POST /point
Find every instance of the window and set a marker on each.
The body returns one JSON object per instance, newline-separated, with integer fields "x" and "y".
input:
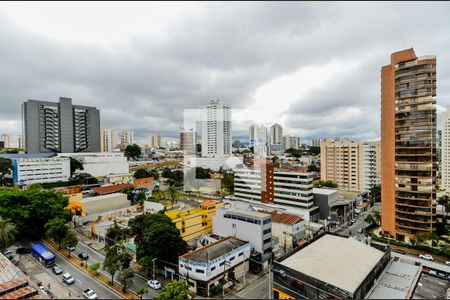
{"x": 267, "y": 241}
{"x": 213, "y": 268}
{"x": 266, "y": 231}
{"x": 232, "y": 258}
{"x": 199, "y": 271}
{"x": 221, "y": 264}
{"x": 267, "y": 221}
{"x": 240, "y": 254}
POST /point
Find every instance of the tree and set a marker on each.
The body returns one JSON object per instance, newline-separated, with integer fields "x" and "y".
{"x": 147, "y": 263}
{"x": 141, "y": 291}
{"x": 157, "y": 195}
{"x": 375, "y": 193}
{"x": 327, "y": 183}
{"x": 312, "y": 168}
{"x": 75, "y": 164}
{"x": 151, "y": 231}
{"x": 167, "y": 173}
{"x": 377, "y": 217}
{"x": 70, "y": 240}
{"x": 5, "y": 168}
{"x": 154, "y": 174}
{"x": 444, "y": 200}
{"x": 313, "y": 150}
{"x": 177, "y": 289}
{"x": 7, "y": 234}
{"x": 57, "y": 229}
{"x": 133, "y": 152}
{"x": 124, "y": 277}
{"x": 228, "y": 182}
{"x": 294, "y": 152}
{"x": 141, "y": 173}
{"x": 94, "y": 268}
{"x": 172, "y": 194}
{"x": 111, "y": 263}
{"x": 178, "y": 176}
{"x": 141, "y": 197}
{"x": 114, "y": 234}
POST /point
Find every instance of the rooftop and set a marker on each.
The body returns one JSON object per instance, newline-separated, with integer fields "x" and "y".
{"x": 323, "y": 191}
{"x": 246, "y": 213}
{"x": 215, "y": 250}
{"x": 103, "y": 190}
{"x": 99, "y": 198}
{"x": 342, "y": 262}
{"x": 397, "y": 282}
{"x": 283, "y": 218}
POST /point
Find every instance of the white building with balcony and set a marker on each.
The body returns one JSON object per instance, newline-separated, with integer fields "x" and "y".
{"x": 31, "y": 170}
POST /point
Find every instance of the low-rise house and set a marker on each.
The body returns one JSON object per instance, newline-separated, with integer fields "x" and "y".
{"x": 216, "y": 264}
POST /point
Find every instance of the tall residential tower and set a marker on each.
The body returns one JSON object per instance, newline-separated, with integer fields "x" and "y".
{"x": 408, "y": 145}
{"x": 216, "y": 130}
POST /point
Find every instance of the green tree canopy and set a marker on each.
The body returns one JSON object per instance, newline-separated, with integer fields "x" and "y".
{"x": 5, "y": 169}
{"x": 75, "y": 164}
{"x": 124, "y": 277}
{"x": 133, "y": 152}
{"x": 31, "y": 209}
{"x": 312, "y": 168}
{"x": 326, "y": 183}
{"x": 70, "y": 239}
{"x": 114, "y": 234}
{"x": 7, "y": 234}
{"x": 177, "y": 289}
{"x": 294, "y": 152}
{"x": 375, "y": 193}
{"x": 167, "y": 173}
{"x": 141, "y": 173}
{"x": 227, "y": 182}
{"x": 151, "y": 231}
{"x": 313, "y": 150}
{"x": 57, "y": 229}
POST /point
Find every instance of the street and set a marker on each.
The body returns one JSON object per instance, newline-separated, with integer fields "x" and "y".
{"x": 94, "y": 257}
{"x": 259, "y": 289}
{"x": 60, "y": 289}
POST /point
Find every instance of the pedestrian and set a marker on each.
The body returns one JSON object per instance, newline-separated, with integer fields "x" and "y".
{"x": 69, "y": 294}
{"x": 48, "y": 285}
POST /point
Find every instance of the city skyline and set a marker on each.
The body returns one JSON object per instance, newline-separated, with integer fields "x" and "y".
{"x": 310, "y": 89}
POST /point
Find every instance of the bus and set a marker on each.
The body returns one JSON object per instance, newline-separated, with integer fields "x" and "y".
{"x": 44, "y": 256}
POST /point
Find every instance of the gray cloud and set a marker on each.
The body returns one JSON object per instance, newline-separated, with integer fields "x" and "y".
{"x": 228, "y": 51}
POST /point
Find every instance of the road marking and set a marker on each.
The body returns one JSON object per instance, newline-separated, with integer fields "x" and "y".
{"x": 78, "y": 280}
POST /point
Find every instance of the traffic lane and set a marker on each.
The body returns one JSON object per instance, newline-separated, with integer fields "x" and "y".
{"x": 83, "y": 280}
{"x": 258, "y": 289}
{"x": 94, "y": 256}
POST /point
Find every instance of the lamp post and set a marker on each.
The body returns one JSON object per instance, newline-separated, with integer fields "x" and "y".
{"x": 153, "y": 260}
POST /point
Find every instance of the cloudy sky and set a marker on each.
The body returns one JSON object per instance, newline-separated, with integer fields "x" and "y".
{"x": 315, "y": 67}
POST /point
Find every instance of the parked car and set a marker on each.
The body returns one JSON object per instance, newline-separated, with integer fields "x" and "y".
{"x": 399, "y": 251}
{"x": 432, "y": 272}
{"x": 360, "y": 230}
{"x": 67, "y": 278}
{"x": 349, "y": 223}
{"x": 426, "y": 256}
{"x": 70, "y": 248}
{"x": 441, "y": 274}
{"x": 89, "y": 294}
{"x": 83, "y": 256}
{"x": 447, "y": 263}
{"x": 154, "y": 284}
{"x": 57, "y": 270}
{"x": 23, "y": 250}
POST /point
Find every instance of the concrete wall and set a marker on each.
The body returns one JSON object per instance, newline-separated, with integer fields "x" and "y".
{"x": 104, "y": 203}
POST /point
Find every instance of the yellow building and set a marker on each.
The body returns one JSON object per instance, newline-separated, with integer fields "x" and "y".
{"x": 195, "y": 222}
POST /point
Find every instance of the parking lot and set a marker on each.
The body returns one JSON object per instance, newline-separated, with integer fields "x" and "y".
{"x": 431, "y": 287}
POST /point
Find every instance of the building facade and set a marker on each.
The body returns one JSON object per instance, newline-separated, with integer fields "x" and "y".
{"x": 445, "y": 150}
{"x": 6, "y": 139}
{"x": 276, "y": 134}
{"x": 60, "y": 127}
{"x": 246, "y": 225}
{"x": 316, "y": 142}
{"x": 156, "y": 141}
{"x": 101, "y": 163}
{"x": 408, "y": 144}
{"x": 351, "y": 164}
{"x": 188, "y": 142}
{"x": 258, "y": 139}
{"x": 111, "y": 137}
{"x": 215, "y": 264}
{"x": 28, "y": 171}
{"x": 216, "y": 130}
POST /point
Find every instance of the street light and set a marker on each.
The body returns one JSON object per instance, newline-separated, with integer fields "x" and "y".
{"x": 153, "y": 260}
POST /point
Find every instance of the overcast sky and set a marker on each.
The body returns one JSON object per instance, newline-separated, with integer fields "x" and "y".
{"x": 314, "y": 66}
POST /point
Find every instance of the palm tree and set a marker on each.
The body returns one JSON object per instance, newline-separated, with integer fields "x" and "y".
{"x": 7, "y": 234}
{"x": 172, "y": 194}
{"x": 444, "y": 200}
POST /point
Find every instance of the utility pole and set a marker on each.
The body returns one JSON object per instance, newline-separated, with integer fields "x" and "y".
{"x": 153, "y": 260}
{"x": 270, "y": 284}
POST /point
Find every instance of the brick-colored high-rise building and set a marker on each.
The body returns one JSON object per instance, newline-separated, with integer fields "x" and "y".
{"x": 408, "y": 145}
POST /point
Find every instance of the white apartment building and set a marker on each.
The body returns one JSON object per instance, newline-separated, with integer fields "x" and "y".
{"x": 276, "y": 134}
{"x": 6, "y": 139}
{"x": 351, "y": 164}
{"x": 291, "y": 142}
{"x": 216, "y": 130}
{"x": 206, "y": 266}
{"x": 246, "y": 225}
{"x": 445, "y": 150}
{"x": 289, "y": 188}
{"x": 28, "y": 171}
{"x": 111, "y": 137}
{"x": 100, "y": 163}
{"x": 258, "y": 139}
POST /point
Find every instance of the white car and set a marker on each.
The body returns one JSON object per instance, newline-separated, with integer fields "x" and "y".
{"x": 447, "y": 263}
{"x": 89, "y": 294}
{"x": 154, "y": 284}
{"x": 426, "y": 256}
{"x": 67, "y": 278}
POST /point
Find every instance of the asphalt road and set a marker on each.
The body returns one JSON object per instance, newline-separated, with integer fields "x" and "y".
{"x": 259, "y": 289}
{"x": 82, "y": 280}
{"x": 94, "y": 257}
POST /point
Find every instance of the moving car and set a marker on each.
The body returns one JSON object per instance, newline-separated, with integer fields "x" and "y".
{"x": 426, "y": 256}
{"x": 89, "y": 294}
{"x": 70, "y": 248}
{"x": 23, "y": 250}
{"x": 67, "y": 278}
{"x": 83, "y": 256}
{"x": 399, "y": 251}
{"x": 154, "y": 284}
{"x": 57, "y": 270}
